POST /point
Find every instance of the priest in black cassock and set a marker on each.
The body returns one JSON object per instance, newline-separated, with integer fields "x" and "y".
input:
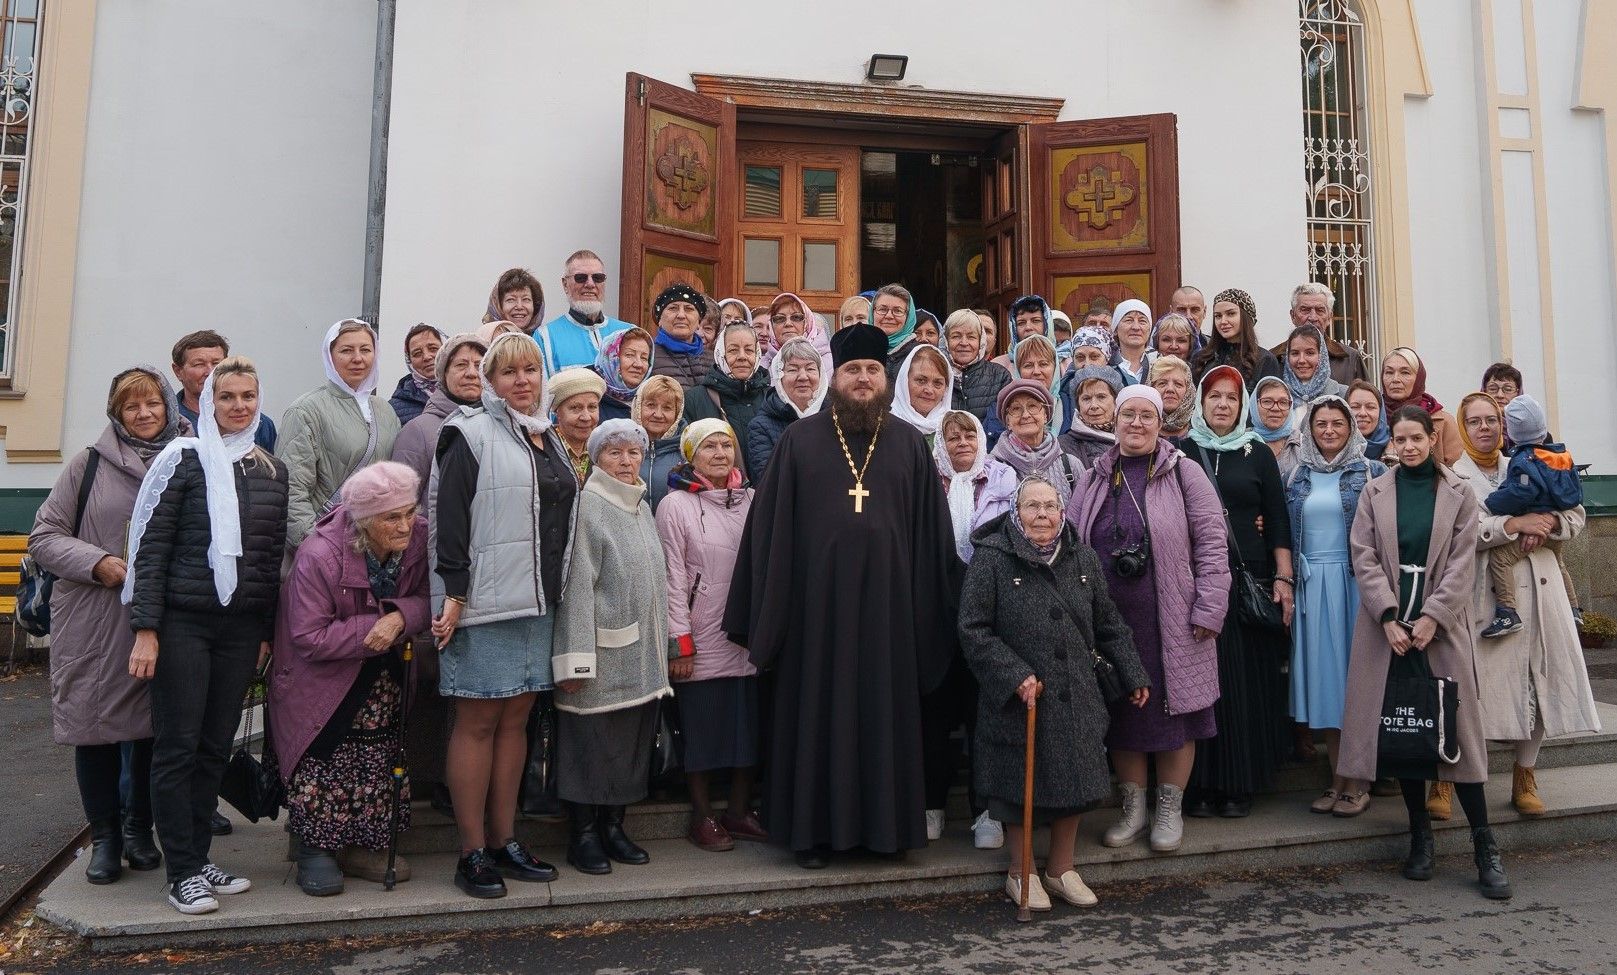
{"x": 846, "y": 588}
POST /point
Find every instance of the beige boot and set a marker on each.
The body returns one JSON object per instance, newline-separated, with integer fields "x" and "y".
{"x": 1524, "y": 792}
{"x": 356, "y": 861}
{"x": 1440, "y": 801}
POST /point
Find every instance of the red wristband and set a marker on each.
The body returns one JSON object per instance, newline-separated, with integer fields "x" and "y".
{"x": 687, "y": 646}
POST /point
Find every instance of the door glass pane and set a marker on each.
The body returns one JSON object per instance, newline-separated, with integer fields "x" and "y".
{"x": 762, "y": 192}
{"x": 760, "y": 263}
{"x": 820, "y": 193}
{"x": 819, "y": 266}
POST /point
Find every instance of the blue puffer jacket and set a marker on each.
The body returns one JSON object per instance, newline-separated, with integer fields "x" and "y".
{"x": 664, "y": 457}
{"x": 1354, "y": 477}
{"x": 1539, "y": 479}
{"x": 763, "y": 433}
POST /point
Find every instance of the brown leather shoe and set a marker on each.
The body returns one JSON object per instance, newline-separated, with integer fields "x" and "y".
{"x": 744, "y": 827}
{"x": 707, "y": 834}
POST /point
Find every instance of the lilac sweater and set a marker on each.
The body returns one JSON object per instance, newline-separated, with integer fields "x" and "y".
{"x": 1190, "y": 557}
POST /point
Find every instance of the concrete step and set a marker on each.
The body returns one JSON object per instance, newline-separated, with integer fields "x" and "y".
{"x": 684, "y": 881}
{"x": 668, "y": 818}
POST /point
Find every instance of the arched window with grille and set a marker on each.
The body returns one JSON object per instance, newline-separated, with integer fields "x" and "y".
{"x": 19, "y": 50}
{"x": 1336, "y": 166}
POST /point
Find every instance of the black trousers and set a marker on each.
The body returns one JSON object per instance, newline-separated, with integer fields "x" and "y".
{"x": 204, "y": 664}
{"x": 942, "y": 711}
{"x": 99, "y": 770}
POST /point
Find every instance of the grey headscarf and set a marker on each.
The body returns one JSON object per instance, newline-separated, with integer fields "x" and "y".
{"x": 175, "y": 426}
{"x": 1308, "y": 454}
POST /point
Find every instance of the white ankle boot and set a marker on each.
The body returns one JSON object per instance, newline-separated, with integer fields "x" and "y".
{"x": 1168, "y": 826}
{"x": 1133, "y": 822}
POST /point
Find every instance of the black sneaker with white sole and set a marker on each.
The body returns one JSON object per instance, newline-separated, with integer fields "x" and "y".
{"x": 223, "y": 883}
{"x": 193, "y": 895}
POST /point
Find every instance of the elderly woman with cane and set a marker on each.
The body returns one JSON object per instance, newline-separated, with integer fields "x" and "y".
{"x": 1035, "y": 614}
{"x": 358, "y": 589}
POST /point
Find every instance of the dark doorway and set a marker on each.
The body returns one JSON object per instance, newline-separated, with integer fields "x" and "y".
{"x": 921, "y": 225}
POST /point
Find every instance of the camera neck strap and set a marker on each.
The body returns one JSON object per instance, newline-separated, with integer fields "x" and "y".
{"x": 1120, "y": 483}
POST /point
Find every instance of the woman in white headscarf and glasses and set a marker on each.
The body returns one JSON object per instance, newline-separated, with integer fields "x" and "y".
{"x": 330, "y": 432}
{"x": 205, "y": 544}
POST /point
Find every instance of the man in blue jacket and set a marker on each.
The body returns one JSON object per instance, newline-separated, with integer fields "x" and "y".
{"x": 575, "y": 337}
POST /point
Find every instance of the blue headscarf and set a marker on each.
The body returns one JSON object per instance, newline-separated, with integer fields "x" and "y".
{"x": 1240, "y": 435}
{"x": 1267, "y": 434}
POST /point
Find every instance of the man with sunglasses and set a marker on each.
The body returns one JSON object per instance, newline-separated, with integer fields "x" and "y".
{"x": 575, "y": 337}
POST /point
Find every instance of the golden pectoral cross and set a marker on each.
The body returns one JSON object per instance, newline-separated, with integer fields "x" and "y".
{"x": 859, "y": 494}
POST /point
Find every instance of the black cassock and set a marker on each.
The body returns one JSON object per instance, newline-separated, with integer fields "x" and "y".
{"x": 854, "y": 614}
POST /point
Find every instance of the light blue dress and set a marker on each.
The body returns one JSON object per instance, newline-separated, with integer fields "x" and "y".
{"x": 1327, "y": 604}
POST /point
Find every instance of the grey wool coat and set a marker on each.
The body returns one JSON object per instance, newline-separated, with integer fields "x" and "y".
{"x": 94, "y": 701}
{"x": 612, "y": 621}
{"x": 1013, "y": 625}
{"x": 1451, "y": 572}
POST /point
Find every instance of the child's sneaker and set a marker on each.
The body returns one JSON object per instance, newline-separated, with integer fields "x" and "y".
{"x": 1505, "y": 621}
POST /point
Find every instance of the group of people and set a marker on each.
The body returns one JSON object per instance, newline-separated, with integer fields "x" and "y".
{"x": 835, "y": 544}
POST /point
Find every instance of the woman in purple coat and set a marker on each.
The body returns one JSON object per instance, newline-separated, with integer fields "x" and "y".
{"x": 1159, "y": 530}
{"x": 358, "y": 587}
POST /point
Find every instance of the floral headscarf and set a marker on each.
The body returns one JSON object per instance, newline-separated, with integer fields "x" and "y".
{"x": 609, "y": 363}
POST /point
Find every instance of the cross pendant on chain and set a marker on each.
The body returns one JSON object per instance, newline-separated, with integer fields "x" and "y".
{"x": 859, "y": 494}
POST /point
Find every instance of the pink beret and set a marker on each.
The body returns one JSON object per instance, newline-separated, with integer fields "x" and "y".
{"x": 382, "y": 487}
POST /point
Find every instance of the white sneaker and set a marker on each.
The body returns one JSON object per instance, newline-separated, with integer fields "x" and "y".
{"x": 1134, "y": 820}
{"x": 987, "y": 833}
{"x": 192, "y": 896}
{"x": 934, "y": 824}
{"x": 1037, "y": 899}
{"x": 1071, "y": 888}
{"x": 1168, "y": 830}
{"x": 223, "y": 883}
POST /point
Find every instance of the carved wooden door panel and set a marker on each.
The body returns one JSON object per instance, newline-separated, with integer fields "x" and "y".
{"x": 678, "y": 209}
{"x": 1004, "y": 252}
{"x": 797, "y": 223}
{"x": 1105, "y": 210}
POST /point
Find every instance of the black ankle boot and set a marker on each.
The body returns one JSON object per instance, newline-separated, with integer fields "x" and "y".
{"x": 618, "y": 845}
{"x": 106, "y": 850}
{"x": 1418, "y": 865}
{"x": 584, "y": 850}
{"x": 1490, "y": 871}
{"x": 139, "y": 849}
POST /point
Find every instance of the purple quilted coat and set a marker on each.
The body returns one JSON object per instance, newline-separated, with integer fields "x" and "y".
{"x": 1190, "y": 558}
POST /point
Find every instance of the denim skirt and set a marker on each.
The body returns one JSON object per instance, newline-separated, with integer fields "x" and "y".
{"x": 496, "y": 660}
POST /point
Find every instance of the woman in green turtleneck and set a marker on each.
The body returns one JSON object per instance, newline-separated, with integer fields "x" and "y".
{"x": 1413, "y": 543}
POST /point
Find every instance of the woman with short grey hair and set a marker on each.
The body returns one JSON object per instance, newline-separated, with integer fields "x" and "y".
{"x": 611, "y": 657}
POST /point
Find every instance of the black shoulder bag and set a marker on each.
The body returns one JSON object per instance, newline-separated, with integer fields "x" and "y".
{"x": 1107, "y": 677}
{"x": 34, "y": 582}
{"x": 1254, "y": 605}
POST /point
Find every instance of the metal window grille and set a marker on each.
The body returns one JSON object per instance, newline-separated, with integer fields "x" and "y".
{"x": 1336, "y": 166}
{"x": 19, "y": 54}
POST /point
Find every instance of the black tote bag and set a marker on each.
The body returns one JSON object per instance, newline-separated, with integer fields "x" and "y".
{"x": 1419, "y": 720}
{"x": 252, "y": 786}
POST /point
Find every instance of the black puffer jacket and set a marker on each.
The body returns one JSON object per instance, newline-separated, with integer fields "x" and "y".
{"x": 171, "y": 568}
{"x": 738, "y": 402}
{"x": 763, "y": 433}
{"x": 977, "y": 386}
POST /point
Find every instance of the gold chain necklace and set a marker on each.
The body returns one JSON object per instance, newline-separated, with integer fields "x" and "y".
{"x": 857, "y": 492}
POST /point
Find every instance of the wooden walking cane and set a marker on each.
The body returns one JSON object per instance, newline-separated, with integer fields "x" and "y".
{"x": 406, "y": 689}
{"x": 1022, "y": 912}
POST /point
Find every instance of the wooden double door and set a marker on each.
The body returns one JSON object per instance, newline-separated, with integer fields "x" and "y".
{"x": 1071, "y": 210}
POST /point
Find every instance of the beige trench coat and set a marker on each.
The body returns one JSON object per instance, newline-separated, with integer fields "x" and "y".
{"x": 1451, "y": 571}
{"x": 1546, "y": 647}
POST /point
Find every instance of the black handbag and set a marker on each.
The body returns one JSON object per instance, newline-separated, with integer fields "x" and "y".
{"x": 34, "y": 582}
{"x": 537, "y": 794}
{"x": 1107, "y": 676}
{"x": 1419, "y": 720}
{"x": 1254, "y": 602}
{"x": 250, "y": 785}
{"x": 668, "y": 745}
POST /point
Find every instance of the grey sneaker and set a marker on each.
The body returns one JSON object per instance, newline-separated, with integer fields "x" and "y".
{"x": 1168, "y": 826}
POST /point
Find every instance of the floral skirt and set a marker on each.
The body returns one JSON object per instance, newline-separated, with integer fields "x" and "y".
{"x": 347, "y": 799}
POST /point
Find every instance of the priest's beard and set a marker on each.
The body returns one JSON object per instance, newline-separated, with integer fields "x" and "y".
{"x": 856, "y": 417}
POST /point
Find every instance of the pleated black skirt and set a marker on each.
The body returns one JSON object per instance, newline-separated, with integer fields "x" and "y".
{"x": 1251, "y": 713}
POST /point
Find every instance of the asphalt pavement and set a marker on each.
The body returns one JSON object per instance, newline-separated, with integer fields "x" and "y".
{"x": 1366, "y": 920}
{"x": 39, "y": 799}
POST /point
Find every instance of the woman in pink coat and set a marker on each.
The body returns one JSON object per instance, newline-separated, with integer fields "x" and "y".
{"x": 358, "y": 588}
{"x": 700, "y": 522}
{"x": 1155, "y": 521}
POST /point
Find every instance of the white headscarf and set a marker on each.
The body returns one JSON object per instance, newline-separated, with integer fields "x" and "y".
{"x": 218, "y": 455}
{"x": 962, "y": 489}
{"x": 901, "y": 408}
{"x": 777, "y": 368}
{"x": 362, "y": 395}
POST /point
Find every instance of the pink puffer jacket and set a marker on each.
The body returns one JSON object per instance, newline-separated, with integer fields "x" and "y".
{"x": 701, "y": 534}
{"x": 1191, "y": 561}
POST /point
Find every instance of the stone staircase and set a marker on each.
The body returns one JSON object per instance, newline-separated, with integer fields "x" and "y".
{"x": 1578, "y": 779}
